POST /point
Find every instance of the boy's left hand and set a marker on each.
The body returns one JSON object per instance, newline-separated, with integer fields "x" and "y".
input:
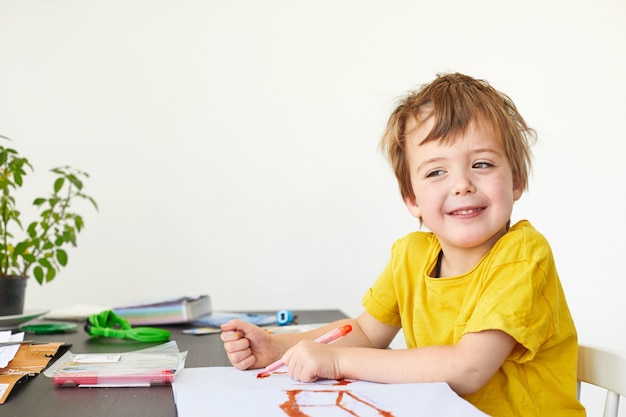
{"x": 309, "y": 361}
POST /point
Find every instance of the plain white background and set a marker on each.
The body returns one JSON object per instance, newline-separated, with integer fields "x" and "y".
{"x": 232, "y": 145}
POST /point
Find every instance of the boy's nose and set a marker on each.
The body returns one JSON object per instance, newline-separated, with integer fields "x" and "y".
{"x": 463, "y": 185}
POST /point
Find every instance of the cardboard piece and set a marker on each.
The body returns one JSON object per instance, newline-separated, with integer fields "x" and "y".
{"x": 29, "y": 360}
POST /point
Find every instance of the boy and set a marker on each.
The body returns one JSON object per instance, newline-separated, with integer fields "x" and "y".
{"x": 479, "y": 301}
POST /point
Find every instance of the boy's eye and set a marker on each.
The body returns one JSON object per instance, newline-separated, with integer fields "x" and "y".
{"x": 482, "y": 165}
{"x": 435, "y": 173}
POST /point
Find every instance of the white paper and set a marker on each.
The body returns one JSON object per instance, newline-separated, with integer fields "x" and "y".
{"x": 78, "y": 312}
{"x": 7, "y": 353}
{"x": 226, "y": 391}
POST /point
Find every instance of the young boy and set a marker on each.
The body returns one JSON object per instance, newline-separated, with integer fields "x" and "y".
{"x": 479, "y": 301}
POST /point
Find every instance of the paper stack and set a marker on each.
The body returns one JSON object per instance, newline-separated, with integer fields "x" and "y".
{"x": 167, "y": 311}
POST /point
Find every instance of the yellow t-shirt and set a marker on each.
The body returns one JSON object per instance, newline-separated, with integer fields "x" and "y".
{"x": 514, "y": 288}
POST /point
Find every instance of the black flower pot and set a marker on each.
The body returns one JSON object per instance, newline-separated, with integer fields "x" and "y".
{"x": 12, "y": 294}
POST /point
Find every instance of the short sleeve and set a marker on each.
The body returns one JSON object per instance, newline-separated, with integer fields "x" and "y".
{"x": 514, "y": 300}
{"x": 381, "y": 301}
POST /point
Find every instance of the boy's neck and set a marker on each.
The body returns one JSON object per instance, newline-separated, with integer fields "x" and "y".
{"x": 454, "y": 261}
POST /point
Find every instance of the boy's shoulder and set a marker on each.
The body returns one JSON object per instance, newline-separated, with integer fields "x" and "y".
{"x": 524, "y": 230}
{"x": 523, "y": 242}
{"x": 420, "y": 239}
{"x": 522, "y": 239}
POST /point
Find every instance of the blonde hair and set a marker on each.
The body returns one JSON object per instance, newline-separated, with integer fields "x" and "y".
{"x": 455, "y": 101}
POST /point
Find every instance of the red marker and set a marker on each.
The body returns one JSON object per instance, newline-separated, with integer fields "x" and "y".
{"x": 326, "y": 339}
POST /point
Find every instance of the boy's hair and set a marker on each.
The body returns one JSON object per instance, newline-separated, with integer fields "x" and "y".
{"x": 455, "y": 101}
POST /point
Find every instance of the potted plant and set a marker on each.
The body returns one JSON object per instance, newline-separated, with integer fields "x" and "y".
{"x": 40, "y": 247}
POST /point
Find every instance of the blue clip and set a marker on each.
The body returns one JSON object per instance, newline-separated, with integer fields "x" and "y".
{"x": 284, "y": 317}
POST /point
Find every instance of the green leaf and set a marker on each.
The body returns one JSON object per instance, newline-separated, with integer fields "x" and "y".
{"x": 29, "y": 258}
{"x": 20, "y": 248}
{"x": 51, "y": 273}
{"x": 74, "y": 180}
{"x": 38, "y": 273}
{"x": 93, "y": 202}
{"x": 78, "y": 221}
{"x": 39, "y": 201}
{"x": 18, "y": 178}
{"x": 32, "y": 230}
{"x": 62, "y": 257}
{"x": 70, "y": 236}
{"x": 58, "y": 184}
{"x": 45, "y": 263}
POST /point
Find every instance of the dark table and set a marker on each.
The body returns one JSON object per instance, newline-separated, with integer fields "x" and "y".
{"x": 39, "y": 397}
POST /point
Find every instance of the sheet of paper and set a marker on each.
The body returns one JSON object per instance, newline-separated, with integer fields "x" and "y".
{"x": 226, "y": 391}
{"x": 7, "y": 353}
{"x": 78, "y": 312}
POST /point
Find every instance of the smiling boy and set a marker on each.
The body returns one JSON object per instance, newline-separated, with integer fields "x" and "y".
{"x": 479, "y": 301}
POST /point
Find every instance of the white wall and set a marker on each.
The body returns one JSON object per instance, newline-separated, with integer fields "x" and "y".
{"x": 232, "y": 146}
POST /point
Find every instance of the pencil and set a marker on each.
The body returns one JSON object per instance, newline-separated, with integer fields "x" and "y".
{"x": 17, "y": 342}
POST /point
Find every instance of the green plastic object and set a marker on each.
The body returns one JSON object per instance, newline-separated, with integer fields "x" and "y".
{"x": 49, "y": 328}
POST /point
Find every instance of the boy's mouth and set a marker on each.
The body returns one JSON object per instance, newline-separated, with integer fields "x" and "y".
{"x": 466, "y": 211}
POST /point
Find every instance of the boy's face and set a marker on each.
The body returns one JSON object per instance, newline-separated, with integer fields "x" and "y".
{"x": 464, "y": 191}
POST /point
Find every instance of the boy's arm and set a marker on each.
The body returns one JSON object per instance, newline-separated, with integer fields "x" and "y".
{"x": 249, "y": 346}
{"x": 366, "y": 332}
{"x": 466, "y": 366}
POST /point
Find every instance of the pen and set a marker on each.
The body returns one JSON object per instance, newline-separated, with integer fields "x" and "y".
{"x": 16, "y": 342}
{"x": 326, "y": 339}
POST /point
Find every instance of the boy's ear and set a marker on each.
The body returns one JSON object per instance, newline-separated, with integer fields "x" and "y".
{"x": 518, "y": 190}
{"x": 414, "y": 209}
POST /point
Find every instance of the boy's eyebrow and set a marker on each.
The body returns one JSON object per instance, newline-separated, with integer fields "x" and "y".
{"x": 488, "y": 150}
{"x": 430, "y": 161}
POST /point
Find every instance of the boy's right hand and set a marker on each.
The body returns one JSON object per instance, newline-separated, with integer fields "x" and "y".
{"x": 248, "y": 346}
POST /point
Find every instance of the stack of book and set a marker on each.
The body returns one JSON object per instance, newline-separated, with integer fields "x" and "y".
{"x": 168, "y": 311}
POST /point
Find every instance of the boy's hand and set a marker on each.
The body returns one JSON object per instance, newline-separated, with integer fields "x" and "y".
{"x": 248, "y": 346}
{"x": 309, "y": 361}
